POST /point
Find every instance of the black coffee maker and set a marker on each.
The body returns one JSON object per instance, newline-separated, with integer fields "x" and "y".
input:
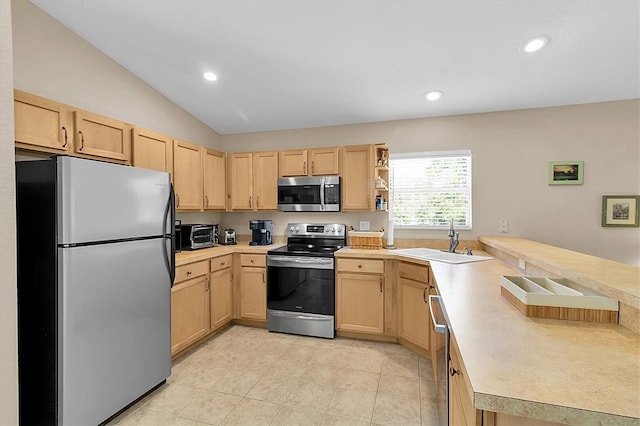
{"x": 261, "y": 231}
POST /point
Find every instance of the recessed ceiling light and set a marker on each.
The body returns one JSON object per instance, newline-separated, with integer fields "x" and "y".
{"x": 209, "y": 76}
{"x": 536, "y": 43}
{"x": 433, "y": 95}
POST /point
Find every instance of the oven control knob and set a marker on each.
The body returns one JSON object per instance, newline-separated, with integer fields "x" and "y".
{"x": 291, "y": 228}
{"x": 297, "y": 229}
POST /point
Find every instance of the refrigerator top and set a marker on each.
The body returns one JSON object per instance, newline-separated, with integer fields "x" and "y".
{"x": 100, "y": 202}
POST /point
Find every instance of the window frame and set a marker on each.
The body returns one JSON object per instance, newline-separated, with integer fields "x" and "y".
{"x": 432, "y": 155}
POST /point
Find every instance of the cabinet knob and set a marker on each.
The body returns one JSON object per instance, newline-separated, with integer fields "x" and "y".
{"x": 359, "y": 266}
{"x": 223, "y": 263}
{"x": 189, "y": 273}
{"x": 252, "y": 260}
{"x": 206, "y": 201}
{"x": 453, "y": 371}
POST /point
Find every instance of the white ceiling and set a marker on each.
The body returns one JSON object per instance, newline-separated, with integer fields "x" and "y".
{"x": 284, "y": 64}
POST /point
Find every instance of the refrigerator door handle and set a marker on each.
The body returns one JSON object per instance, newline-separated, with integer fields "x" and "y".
{"x": 170, "y": 215}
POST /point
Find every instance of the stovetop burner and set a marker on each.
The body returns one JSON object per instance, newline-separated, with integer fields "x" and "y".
{"x": 313, "y": 239}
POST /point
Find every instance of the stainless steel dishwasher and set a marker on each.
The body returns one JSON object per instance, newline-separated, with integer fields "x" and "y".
{"x": 440, "y": 357}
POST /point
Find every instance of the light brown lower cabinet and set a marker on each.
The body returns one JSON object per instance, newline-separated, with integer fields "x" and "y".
{"x": 253, "y": 287}
{"x": 360, "y": 295}
{"x": 414, "y": 320}
{"x": 190, "y": 305}
{"x": 221, "y": 291}
{"x": 461, "y": 410}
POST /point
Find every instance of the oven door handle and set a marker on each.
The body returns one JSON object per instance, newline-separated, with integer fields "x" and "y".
{"x": 300, "y": 262}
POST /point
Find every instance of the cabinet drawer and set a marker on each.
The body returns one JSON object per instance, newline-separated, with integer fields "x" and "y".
{"x": 221, "y": 262}
{"x": 374, "y": 266}
{"x": 253, "y": 260}
{"x": 414, "y": 272}
{"x": 191, "y": 270}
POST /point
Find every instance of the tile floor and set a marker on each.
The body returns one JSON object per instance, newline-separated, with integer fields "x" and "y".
{"x": 248, "y": 376}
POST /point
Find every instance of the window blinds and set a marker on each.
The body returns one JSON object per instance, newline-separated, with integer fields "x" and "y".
{"x": 428, "y": 189}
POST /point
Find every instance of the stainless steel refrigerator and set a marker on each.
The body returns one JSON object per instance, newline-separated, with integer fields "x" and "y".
{"x": 95, "y": 269}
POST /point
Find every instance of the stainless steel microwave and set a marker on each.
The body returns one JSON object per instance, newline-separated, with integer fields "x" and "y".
{"x": 309, "y": 194}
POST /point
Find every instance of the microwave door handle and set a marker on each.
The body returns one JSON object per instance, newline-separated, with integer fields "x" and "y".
{"x": 322, "y": 187}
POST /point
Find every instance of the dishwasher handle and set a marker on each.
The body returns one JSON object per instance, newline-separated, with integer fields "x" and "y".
{"x": 439, "y": 328}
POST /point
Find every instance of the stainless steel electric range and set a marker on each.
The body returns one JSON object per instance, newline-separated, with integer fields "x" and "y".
{"x": 301, "y": 280}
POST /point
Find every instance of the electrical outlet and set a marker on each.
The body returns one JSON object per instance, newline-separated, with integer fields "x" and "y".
{"x": 364, "y": 225}
{"x": 522, "y": 264}
{"x": 503, "y": 226}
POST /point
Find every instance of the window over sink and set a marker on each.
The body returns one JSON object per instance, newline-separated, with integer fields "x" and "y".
{"x": 427, "y": 189}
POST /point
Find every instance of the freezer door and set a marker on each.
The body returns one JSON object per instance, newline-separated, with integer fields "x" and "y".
{"x": 100, "y": 201}
{"x": 115, "y": 327}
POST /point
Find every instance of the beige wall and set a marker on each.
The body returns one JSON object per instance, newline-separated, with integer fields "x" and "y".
{"x": 8, "y": 297}
{"x": 511, "y": 151}
{"x": 53, "y": 62}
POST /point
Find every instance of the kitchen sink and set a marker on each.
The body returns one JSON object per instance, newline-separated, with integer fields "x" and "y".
{"x": 440, "y": 256}
{"x": 555, "y": 292}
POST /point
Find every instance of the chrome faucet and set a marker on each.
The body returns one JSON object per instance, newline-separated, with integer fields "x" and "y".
{"x": 453, "y": 238}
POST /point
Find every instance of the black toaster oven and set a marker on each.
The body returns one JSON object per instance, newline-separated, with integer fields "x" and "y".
{"x": 197, "y": 236}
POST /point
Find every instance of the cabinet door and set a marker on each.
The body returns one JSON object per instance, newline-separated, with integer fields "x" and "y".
{"x": 189, "y": 312}
{"x": 102, "y": 137}
{"x": 360, "y": 303}
{"x": 324, "y": 161}
{"x": 221, "y": 298}
{"x": 151, "y": 150}
{"x": 356, "y": 178}
{"x": 253, "y": 293}
{"x": 414, "y": 312}
{"x": 41, "y": 123}
{"x": 241, "y": 185}
{"x": 187, "y": 175}
{"x": 461, "y": 409}
{"x": 215, "y": 180}
{"x": 265, "y": 181}
{"x": 293, "y": 163}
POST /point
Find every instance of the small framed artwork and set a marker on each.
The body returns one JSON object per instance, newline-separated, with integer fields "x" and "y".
{"x": 566, "y": 172}
{"x": 620, "y": 210}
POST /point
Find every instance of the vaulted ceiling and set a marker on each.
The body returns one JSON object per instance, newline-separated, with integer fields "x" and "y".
{"x": 283, "y": 64}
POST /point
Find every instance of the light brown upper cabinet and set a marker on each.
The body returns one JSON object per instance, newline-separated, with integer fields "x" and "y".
{"x": 187, "y": 175}
{"x": 214, "y": 167}
{"x": 313, "y": 162}
{"x": 41, "y": 124}
{"x": 241, "y": 181}
{"x": 357, "y": 177}
{"x": 293, "y": 162}
{"x": 152, "y": 150}
{"x": 102, "y": 137}
{"x": 365, "y": 174}
{"x": 324, "y": 161}
{"x": 265, "y": 180}
{"x": 253, "y": 181}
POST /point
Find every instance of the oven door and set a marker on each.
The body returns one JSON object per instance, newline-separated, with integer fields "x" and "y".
{"x": 301, "y": 284}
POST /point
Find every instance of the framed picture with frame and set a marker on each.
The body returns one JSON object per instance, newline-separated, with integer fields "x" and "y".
{"x": 620, "y": 210}
{"x": 566, "y": 172}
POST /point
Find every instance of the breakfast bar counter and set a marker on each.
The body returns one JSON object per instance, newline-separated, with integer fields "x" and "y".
{"x": 560, "y": 371}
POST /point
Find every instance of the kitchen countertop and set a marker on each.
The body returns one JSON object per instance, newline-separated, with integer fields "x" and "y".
{"x": 189, "y": 256}
{"x": 555, "y": 370}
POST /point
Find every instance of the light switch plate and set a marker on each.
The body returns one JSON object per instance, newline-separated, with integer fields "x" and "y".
{"x": 364, "y": 225}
